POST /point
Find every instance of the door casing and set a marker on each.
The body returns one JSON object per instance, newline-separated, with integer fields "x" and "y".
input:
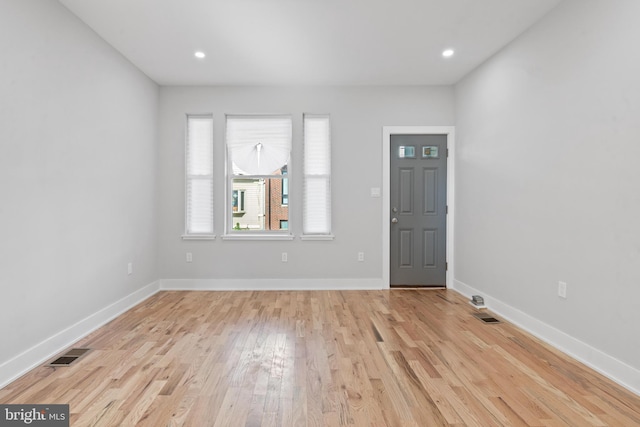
{"x": 387, "y": 131}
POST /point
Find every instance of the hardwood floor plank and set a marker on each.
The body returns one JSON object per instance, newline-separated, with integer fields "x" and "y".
{"x": 439, "y": 395}
{"x": 103, "y": 412}
{"x": 321, "y": 358}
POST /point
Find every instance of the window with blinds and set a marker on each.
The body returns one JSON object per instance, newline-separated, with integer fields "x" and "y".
{"x": 199, "y": 176}
{"x": 317, "y": 176}
{"x": 258, "y": 150}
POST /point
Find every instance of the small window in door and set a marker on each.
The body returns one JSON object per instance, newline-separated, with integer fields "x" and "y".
{"x": 407, "y": 152}
{"x": 430, "y": 152}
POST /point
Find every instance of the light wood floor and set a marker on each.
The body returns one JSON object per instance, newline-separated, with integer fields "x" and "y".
{"x": 363, "y": 358}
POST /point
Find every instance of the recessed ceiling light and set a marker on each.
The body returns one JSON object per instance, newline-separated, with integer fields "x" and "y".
{"x": 447, "y": 53}
{"x": 199, "y": 54}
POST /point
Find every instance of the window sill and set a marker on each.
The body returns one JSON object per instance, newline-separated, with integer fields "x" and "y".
{"x": 198, "y": 237}
{"x": 257, "y": 237}
{"x": 317, "y": 237}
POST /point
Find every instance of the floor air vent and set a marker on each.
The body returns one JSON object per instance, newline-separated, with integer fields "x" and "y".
{"x": 486, "y": 318}
{"x": 69, "y": 357}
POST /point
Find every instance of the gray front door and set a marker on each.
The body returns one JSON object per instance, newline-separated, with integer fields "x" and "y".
{"x": 418, "y": 210}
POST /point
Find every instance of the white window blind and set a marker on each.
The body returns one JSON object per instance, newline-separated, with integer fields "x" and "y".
{"x": 317, "y": 175}
{"x": 199, "y": 175}
{"x": 258, "y": 145}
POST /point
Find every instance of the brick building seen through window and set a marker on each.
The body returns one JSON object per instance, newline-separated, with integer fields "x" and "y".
{"x": 261, "y": 204}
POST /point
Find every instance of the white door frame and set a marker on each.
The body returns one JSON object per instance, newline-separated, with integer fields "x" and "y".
{"x": 387, "y": 131}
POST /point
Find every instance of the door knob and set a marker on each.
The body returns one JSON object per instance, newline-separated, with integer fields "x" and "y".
{"x": 394, "y": 220}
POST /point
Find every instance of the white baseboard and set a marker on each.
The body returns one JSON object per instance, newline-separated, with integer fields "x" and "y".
{"x": 270, "y": 284}
{"x": 42, "y": 352}
{"x": 618, "y": 371}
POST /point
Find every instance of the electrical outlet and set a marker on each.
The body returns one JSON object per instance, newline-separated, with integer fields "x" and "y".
{"x": 562, "y": 289}
{"x": 130, "y": 268}
{"x": 189, "y": 257}
{"x": 284, "y": 257}
{"x": 360, "y": 256}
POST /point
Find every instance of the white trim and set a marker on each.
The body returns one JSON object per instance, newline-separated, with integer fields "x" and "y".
{"x": 317, "y": 237}
{"x": 270, "y": 284}
{"x": 198, "y": 237}
{"x": 612, "y": 368}
{"x": 265, "y": 236}
{"x": 40, "y": 353}
{"x": 387, "y": 131}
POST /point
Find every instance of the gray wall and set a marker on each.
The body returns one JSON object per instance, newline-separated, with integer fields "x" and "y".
{"x": 357, "y": 117}
{"x": 77, "y": 174}
{"x": 547, "y": 175}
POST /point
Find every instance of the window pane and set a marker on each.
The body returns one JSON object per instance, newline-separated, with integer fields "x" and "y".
{"x": 200, "y": 206}
{"x": 317, "y": 153}
{"x": 317, "y": 212}
{"x": 259, "y": 204}
{"x": 406, "y": 152}
{"x": 258, "y": 149}
{"x": 285, "y": 191}
{"x": 199, "y": 147}
{"x": 285, "y": 187}
{"x": 237, "y": 201}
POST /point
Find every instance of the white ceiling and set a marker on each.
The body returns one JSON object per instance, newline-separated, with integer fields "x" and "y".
{"x": 308, "y": 42}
